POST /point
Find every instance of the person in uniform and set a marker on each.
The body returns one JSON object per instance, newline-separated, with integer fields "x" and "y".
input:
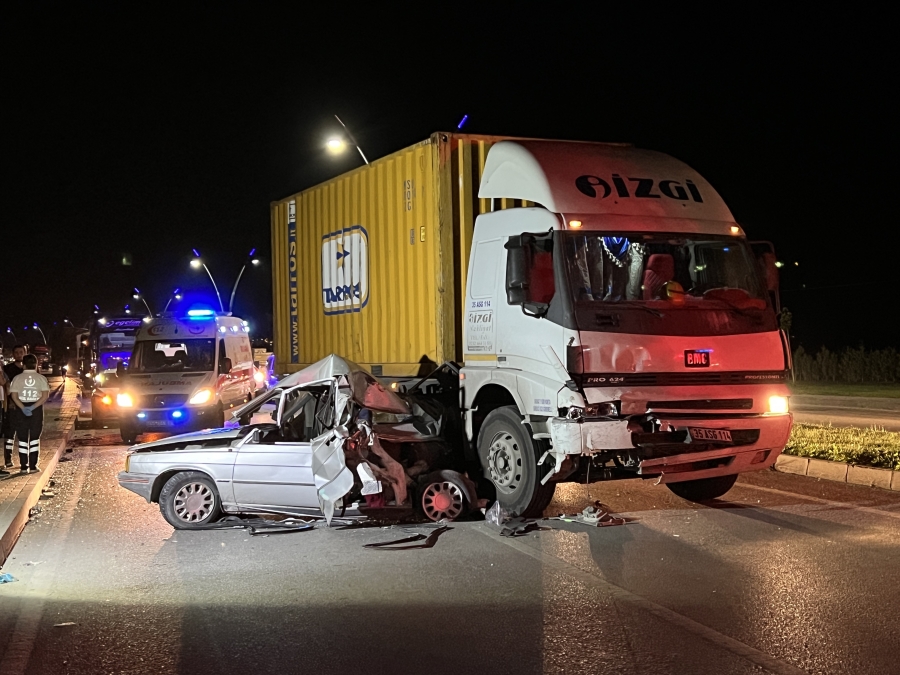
{"x": 29, "y": 391}
{"x": 10, "y": 371}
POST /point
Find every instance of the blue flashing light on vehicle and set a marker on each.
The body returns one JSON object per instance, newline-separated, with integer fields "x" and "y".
{"x": 200, "y": 313}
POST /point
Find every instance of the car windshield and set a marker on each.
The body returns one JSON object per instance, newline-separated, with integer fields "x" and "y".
{"x": 157, "y": 356}
{"x": 663, "y": 271}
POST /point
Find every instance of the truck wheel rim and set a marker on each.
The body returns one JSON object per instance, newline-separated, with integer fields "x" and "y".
{"x": 505, "y": 462}
{"x": 194, "y": 502}
{"x": 442, "y": 501}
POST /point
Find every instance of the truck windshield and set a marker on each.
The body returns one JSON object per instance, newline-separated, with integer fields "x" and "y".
{"x": 155, "y": 356}
{"x": 663, "y": 272}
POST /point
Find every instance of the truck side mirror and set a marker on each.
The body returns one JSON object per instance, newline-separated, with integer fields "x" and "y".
{"x": 516, "y": 271}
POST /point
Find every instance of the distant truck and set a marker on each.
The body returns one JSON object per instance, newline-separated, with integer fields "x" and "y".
{"x": 43, "y": 355}
{"x": 611, "y": 317}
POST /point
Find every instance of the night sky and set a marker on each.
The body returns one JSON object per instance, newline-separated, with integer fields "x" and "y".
{"x": 152, "y": 134}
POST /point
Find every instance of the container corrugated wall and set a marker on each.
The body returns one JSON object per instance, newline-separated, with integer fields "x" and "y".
{"x": 406, "y": 219}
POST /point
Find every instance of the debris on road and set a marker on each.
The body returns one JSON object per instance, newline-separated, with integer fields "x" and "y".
{"x": 394, "y": 545}
{"x": 597, "y": 515}
{"x": 7, "y": 578}
{"x": 64, "y": 623}
{"x": 65, "y": 459}
{"x": 517, "y": 527}
{"x": 34, "y": 562}
{"x": 70, "y": 449}
{"x": 261, "y": 526}
{"x": 496, "y": 515}
{"x": 34, "y": 511}
{"x": 47, "y": 494}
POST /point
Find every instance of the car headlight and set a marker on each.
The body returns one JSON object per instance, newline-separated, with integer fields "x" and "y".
{"x": 124, "y": 400}
{"x": 99, "y": 379}
{"x": 258, "y": 376}
{"x": 106, "y": 400}
{"x": 778, "y": 404}
{"x": 200, "y": 397}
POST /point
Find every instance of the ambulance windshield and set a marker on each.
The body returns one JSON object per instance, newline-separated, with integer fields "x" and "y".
{"x": 164, "y": 356}
{"x": 664, "y": 272}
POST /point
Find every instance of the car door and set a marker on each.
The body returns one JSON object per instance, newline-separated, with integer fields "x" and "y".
{"x": 276, "y": 470}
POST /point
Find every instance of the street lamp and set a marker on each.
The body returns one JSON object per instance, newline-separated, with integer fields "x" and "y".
{"x": 176, "y": 295}
{"x": 10, "y": 331}
{"x": 197, "y": 263}
{"x": 139, "y": 296}
{"x": 38, "y": 329}
{"x": 252, "y": 260}
{"x": 338, "y": 145}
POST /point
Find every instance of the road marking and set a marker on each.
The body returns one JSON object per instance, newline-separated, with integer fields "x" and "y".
{"x": 737, "y": 647}
{"x": 40, "y": 585}
{"x": 829, "y": 502}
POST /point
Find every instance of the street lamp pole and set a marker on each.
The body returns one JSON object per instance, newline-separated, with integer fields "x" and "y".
{"x": 38, "y": 329}
{"x": 10, "y": 331}
{"x": 176, "y": 295}
{"x": 253, "y": 261}
{"x": 139, "y": 296}
{"x": 353, "y": 140}
{"x": 197, "y": 262}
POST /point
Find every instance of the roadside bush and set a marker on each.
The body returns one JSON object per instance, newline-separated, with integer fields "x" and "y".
{"x": 867, "y": 447}
{"x": 853, "y": 365}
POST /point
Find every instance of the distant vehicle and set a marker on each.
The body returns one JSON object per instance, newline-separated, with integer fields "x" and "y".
{"x": 42, "y": 352}
{"x": 297, "y": 461}
{"x": 103, "y": 398}
{"x": 111, "y": 341}
{"x": 184, "y": 373}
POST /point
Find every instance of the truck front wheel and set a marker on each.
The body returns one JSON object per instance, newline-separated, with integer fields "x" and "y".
{"x": 509, "y": 458}
{"x": 704, "y": 488}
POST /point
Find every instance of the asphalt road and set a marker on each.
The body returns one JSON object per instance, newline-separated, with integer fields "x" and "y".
{"x": 785, "y": 575}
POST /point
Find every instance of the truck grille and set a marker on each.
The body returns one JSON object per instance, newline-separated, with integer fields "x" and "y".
{"x": 675, "y": 379}
{"x": 704, "y": 404}
{"x": 163, "y": 401}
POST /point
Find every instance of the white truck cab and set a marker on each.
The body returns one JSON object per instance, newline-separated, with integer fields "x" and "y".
{"x": 622, "y": 327}
{"x": 184, "y": 373}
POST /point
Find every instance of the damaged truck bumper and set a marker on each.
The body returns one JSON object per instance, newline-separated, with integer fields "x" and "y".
{"x": 671, "y": 451}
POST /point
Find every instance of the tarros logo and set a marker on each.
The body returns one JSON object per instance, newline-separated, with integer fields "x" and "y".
{"x": 639, "y": 188}
{"x": 345, "y": 270}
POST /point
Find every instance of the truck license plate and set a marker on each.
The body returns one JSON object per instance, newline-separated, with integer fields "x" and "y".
{"x": 719, "y": 435}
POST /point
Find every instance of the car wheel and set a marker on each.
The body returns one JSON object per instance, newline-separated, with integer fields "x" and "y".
{"x": 442, "y": 499}
{"x": 704, "y": 488}
{"x": 509, "y": 459}
{"x": 129, "y": 434}
{"x": 189, "y": 501}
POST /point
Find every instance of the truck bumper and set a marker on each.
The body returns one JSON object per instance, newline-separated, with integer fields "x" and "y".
{"x": 670, "y": 454}
{"x": 139, "y": 483}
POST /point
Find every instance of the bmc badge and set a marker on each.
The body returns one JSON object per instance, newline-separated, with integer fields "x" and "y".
{"x": 345, "y": 270}
{"x": 696, "y": 358}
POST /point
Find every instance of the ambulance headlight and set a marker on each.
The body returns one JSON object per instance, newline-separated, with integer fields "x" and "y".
{"x": 200, "y": 397}
{"x": 106, "y": 400}
{"x": 124, "y": 400}
{"x": 778, "y": 404}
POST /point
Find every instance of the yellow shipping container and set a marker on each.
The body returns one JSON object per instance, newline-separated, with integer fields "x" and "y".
{"x": 371, "y": 265}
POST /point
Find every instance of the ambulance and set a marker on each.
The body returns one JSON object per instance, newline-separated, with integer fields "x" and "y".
{"x": 184, "y": 374}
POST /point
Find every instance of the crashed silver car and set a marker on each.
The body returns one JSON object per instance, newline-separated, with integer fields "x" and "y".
{"x": 328, "y": 440}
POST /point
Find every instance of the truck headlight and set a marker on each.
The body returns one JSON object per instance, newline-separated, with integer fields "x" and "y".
{"x": 200, "y": 397}
{"x": 778, "y": 404}
{"x": 124, "y": 400}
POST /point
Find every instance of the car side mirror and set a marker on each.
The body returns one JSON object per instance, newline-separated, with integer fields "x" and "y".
{"x": 225, "y": 366}
{"x": 252, "y": 437}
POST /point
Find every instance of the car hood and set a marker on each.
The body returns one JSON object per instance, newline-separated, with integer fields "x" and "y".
{"x": 222, "y": 435}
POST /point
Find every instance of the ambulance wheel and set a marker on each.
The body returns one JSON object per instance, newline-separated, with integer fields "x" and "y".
{"x": 129, "y": 434}
{"x": 509, "y": 460}
{"x": 704, "y": 488}
{"x": 189, "y": 501}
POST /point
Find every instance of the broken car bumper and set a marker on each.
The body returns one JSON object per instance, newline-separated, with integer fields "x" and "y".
{"x": 139, "y": 483}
